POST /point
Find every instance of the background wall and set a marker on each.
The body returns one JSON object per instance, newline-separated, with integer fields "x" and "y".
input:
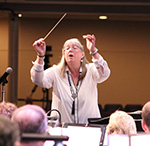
{"x": 124, "y": 45}
{"x": 3, "y": 48}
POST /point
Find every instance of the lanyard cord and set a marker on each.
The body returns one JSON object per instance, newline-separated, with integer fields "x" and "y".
{"x": 74, "y": 95}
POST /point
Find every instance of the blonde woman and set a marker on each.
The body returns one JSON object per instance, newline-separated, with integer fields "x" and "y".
{"x": 121, "y": 123}
{"x": 74, "y": 80}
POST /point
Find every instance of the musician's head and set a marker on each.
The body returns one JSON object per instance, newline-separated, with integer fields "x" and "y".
{"x": 7, "y": 108}
{"x": 146, "y": 117}
{"x": 121, "y": 123}
{"x": 30, "y": 119}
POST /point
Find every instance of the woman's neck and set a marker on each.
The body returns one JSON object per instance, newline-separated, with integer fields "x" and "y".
{"x": 74, "y": 74}
{"x": 74, "y": 68}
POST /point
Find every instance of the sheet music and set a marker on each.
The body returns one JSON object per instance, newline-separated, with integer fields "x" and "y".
{"x": 78, "y": 136}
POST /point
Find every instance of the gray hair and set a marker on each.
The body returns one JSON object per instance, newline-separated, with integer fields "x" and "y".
{"x": 9, "y": 132}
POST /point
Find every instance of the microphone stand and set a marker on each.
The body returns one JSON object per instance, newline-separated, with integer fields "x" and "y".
{"x": 3, "y": 90}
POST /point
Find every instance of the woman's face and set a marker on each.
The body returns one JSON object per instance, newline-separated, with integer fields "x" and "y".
{"x": 73, "y": 52}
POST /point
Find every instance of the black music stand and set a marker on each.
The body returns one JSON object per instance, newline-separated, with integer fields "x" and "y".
{"x": 32, "y": 137}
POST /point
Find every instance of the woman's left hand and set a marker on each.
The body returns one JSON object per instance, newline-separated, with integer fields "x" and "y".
{"x": 90, "y": 42}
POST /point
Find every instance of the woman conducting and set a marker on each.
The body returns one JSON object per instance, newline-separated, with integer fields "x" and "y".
{"x": 73, "y": 79}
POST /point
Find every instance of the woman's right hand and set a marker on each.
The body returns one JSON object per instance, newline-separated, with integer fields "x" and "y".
{"x": 40, "y": 47}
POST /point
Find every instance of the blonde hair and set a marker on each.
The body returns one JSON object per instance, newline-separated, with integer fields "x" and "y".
{"x": 121, "y": 123}
{"x": 7, "y": 109}
{"x": 62, "y": 64}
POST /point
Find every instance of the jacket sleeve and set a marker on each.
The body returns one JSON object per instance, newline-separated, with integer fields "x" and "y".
{"x": 41, "y": 77}
{"x": 101, "y": 70}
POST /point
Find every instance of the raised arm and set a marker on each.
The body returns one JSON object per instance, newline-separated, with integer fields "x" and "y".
{"x": 40, "y": 48}
{"x": 37, "y": 71}
{"x": 90, "y": 43}
{"x": 100, "y": 63}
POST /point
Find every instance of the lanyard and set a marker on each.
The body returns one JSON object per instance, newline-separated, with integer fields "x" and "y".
{"x": 74, "y": 94}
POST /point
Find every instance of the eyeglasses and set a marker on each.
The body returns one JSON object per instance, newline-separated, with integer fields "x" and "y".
{"x": 73, "y": 47}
